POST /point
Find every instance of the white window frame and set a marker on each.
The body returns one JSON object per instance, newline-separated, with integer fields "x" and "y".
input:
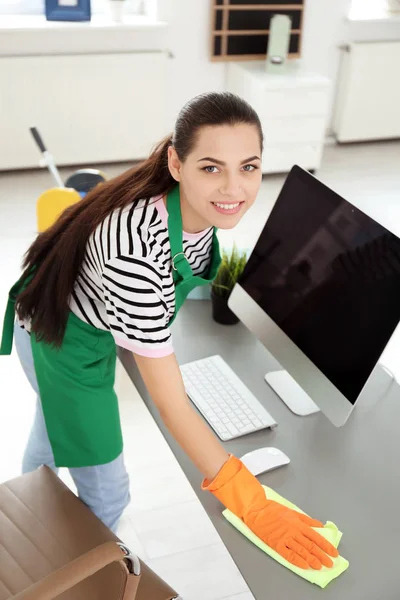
{"x": 22, "y": 7}
{"x": 98, "y": 7}
{"x": 361, "y": 10}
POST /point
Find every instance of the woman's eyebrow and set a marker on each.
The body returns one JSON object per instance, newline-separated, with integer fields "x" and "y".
{"x": 223, "y": 164}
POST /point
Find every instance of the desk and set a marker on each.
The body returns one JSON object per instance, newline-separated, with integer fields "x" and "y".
{"x": 348, "y": 475}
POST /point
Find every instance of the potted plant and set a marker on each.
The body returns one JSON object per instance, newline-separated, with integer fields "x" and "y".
{"x": 232, "y": 265}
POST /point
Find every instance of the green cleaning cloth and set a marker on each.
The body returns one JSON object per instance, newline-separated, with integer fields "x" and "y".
{"x": 329, "y": 531}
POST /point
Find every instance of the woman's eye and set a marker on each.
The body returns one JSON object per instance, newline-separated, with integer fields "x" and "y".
{"x": 214, "y": 169}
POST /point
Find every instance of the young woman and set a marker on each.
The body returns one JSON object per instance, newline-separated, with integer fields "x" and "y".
{"x": 114, "y": 271}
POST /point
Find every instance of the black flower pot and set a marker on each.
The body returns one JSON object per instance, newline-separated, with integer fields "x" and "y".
{"x": 221, "y": 312}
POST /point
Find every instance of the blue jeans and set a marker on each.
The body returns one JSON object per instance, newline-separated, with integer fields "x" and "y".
{"x": 103, "y": 488}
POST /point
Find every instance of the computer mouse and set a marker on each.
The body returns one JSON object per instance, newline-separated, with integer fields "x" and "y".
{"x": 264, "y": 459}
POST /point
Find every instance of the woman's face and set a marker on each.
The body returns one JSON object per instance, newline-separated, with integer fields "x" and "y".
{"x": 220, "y": 178}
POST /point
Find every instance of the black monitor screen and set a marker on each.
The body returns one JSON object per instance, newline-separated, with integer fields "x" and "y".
{"x": 329, "y": 276}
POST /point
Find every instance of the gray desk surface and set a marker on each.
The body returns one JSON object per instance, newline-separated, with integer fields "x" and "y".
{"x": 348, "y": 475}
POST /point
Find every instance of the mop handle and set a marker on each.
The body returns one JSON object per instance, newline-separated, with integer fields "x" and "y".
{"x": 47, "y": 157}
{"x": 38, "y": 139}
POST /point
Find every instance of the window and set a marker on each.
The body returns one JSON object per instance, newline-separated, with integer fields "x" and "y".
{"x": 369, "y": 9}
{"x": 99, "y": 7}
{"x": 22, "y": 7}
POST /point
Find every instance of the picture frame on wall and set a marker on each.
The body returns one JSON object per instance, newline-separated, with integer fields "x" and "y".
{"x": 68, "y": 10}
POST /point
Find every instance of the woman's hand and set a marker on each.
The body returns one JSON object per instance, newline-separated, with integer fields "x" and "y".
{"x": 286, "y": 531}
{"x": 290, "y": 534}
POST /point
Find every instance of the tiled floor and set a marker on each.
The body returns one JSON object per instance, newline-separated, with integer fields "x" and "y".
{"x": 165, "y": 523}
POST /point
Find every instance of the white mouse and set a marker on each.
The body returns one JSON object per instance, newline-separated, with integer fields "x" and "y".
{"x": 264, "y": 459}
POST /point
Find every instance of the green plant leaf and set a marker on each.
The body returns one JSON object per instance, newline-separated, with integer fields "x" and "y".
{"x": 232, "y": 266}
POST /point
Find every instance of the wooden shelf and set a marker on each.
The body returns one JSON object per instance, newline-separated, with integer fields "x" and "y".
{"x": 249, "y": 32}
{"x": 264, "y": 7}
{"x": 244, "y": 57}
{"x": 230, "y": 43}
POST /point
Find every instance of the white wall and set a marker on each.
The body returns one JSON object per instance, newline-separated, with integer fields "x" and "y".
{"x": 322, "y": 33}
{"x": 191, "y": 71}
{"x": 325, "y": 29}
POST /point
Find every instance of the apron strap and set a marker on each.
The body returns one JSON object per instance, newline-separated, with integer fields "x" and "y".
{"x": 8, "y": 328}
{"x": 181, "y": 268}
{"x": 9, "y": 316}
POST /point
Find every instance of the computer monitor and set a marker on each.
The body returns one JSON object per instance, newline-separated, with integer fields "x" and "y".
{"x": 321, "y": 291}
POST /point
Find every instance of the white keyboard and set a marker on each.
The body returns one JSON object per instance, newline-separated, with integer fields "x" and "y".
{"x": 223, "y": 399}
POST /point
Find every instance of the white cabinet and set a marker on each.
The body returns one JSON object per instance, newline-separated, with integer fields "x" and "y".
{"x": 293, "y": 109}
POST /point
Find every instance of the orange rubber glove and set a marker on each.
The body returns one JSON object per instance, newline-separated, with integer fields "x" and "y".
{"x": 286, "y": 531}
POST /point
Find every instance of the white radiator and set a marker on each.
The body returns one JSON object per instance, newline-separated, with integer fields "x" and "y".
{"x": 368, "y": 98}
{"x": 89, "y": 108}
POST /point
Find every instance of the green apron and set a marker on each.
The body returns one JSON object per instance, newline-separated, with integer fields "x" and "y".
{"x": 76, "y": 381}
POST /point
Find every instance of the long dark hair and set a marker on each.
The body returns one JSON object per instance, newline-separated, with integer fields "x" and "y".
{"x": 57, "y": 254}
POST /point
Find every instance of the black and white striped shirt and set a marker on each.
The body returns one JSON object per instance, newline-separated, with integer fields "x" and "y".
{"x": 125, "y": 284}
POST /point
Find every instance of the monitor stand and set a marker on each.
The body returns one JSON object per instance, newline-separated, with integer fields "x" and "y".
{"x": 291, "y": 393}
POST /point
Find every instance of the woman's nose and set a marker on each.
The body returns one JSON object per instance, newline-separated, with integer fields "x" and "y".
{"x": 231, "y": 187}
